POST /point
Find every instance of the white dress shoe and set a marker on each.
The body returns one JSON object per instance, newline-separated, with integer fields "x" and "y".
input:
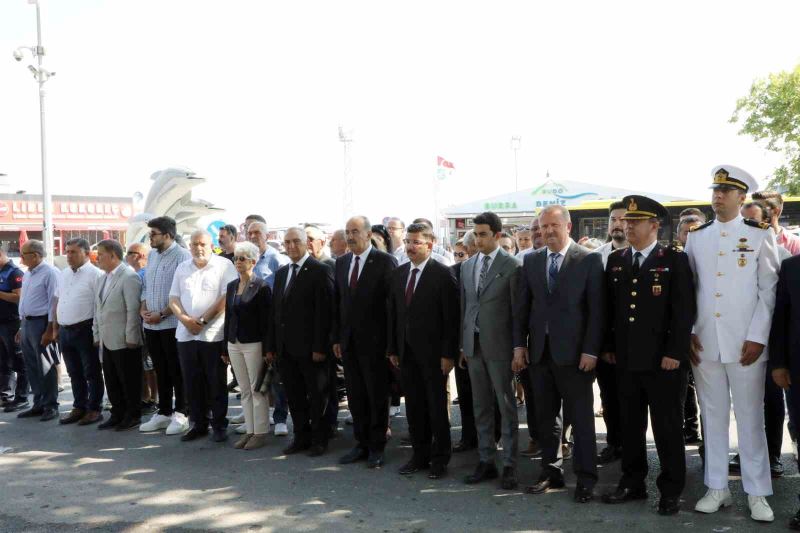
{"x": 238, "y": 419}
{"x": 155, "y": 423}
{"x": 713, "y": 500}
{"x": 760, "y": 509}
{"x": 178, "y": 425}
{"x": 281, "y": 430}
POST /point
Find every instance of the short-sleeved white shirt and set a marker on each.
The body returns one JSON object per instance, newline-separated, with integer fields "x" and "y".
{"x": 76, "y": 294}
{"x": 198, "y": 289}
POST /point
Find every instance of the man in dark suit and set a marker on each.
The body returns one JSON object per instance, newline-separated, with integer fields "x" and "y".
{"x": 423, "y": 342}
{"x": 300, "y": 317}
{"x": 361, "y": 292}
{"x": 651, "y": 310}
{"x": 558, "y": 331}
{"x": 784, "y": 339}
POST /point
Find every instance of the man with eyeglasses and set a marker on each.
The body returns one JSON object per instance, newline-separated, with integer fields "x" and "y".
{"x": 423, "y": 342}
{"x": 397, "y": 230}
{"x": 160, "y": 326}
{"x": 39, "y": 287}
{"x": 136, "y": 258}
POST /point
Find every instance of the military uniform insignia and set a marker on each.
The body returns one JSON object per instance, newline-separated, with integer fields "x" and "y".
{"x": 742, "y": 261}
{"x": 632, "y": 206}
{"x": 701, "y": 226}
{"x": 743, "y": 247}
{"x": 656, "y": 290}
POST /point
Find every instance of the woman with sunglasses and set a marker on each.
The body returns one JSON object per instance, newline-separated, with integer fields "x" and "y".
{"x": 246, "y": 324}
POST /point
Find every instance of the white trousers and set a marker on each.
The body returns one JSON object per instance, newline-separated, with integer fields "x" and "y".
{"x": 716, "y": 383}
{"x": 247, "y": 361}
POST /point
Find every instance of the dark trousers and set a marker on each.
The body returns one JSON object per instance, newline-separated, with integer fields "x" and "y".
{"x": 163, "y": 350}
{"x": 332, "y": 410}
{"x": 691, "y": 411}
{"x": 13, "y": 379}
{"x": 306, "y": 384}
{"x": 530, "y": 404}
{"x": 661, "y": 391}
{"x": 609, "y": 399}
{"x": 469, "y": 433}
{"x": 204, "y": 376}
{"x": 83, "y": 365}
{"x": 426, "y": 408}
{"x": 774, "y": 417}
{"x": 123, "y": 371}
{"x": 366, "y": 376}
{"x": 44, "y": 385}
{"x": 552, "y": 384}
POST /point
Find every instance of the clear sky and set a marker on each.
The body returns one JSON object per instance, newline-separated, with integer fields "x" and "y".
{"x": 250, "y": 93}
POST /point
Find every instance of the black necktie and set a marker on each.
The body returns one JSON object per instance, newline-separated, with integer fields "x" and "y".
{"x": 636, "y": 260}
{"x": 295, "y": 266}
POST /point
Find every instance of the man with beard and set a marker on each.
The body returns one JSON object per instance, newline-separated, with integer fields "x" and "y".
{"x": 606, "y": 374}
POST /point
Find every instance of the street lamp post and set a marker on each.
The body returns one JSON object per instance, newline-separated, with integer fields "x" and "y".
{"x": 516, "y": 141}
{"x": 41, "y": 75}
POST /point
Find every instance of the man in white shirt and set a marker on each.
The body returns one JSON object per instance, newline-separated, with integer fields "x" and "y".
{"x": 73, "y": 307}
{"x": 197, "y": 299}
{"x": 735, "y": 263}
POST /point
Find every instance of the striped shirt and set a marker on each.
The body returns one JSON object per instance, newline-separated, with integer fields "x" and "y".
{"x": 158, "y": 280}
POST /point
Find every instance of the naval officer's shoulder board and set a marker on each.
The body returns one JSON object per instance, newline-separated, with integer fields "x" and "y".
{"x": 756, "y": 224}
{"x": 701, "y": 226}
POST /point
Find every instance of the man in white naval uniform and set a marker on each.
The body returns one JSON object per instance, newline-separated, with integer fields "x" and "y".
{"x": 735, "y": 263}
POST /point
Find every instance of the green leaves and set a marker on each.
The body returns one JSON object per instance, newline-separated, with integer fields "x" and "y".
{"x": 771, "y": 112}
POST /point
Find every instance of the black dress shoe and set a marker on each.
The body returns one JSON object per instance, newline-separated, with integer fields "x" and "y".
{"x": 128, "y": 423}
{"x": 356, "y": 454}
{"x": 669, "y": 505}
{"x": 195, "y": 432}
{"x": 375, "y": 460}
{"x": 437, "y": 471}
{"x": 482, "y": 472}
{"x": 219, "y": 435}
{"x": 31, "y": 413}
{"x": 583, "y": 494}
{"x": 48, "y": 414}
{"x": 735, "y": 465}
{"x": 692, "y": 438}
{"x": 110, "y": 423}
{"x": 16, "y": 405}
{"x": 509, "y": 481}
{"x": 545, "y": 484}
{"x": 775, "y": 468}
{"x": 609, "y": 454}
{"x": 464, "y": 447}
{"x": 296, "y": 447}
{"x": 316, "y": 450}
{"x": 622, "y": 495}
{"x": 411, "y": 467}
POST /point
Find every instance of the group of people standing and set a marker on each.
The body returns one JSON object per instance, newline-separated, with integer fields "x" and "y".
{"x": 638, "y": 315}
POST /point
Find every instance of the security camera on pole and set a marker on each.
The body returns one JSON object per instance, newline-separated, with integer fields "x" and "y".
{"x": 41, "y": 75}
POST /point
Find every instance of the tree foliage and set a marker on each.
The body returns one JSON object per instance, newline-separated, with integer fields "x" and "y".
{"x": 771, "y": 112}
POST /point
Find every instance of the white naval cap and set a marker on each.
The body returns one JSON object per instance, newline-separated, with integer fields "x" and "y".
{"x": 731, "y": 176}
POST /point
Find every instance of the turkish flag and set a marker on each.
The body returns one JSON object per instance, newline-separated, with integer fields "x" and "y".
{"x": 442, "y": 162}
{"x": 23, "y": 238}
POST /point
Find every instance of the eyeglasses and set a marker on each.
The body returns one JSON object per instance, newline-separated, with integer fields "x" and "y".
{"x": 242, "y": 258}
{"x": 460, "y": 254}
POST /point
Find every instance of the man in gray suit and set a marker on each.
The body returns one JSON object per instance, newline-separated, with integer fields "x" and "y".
{"x": 117, "y": 330}
{"x": 558, "y": 330}
{"x": 488, "y": 289}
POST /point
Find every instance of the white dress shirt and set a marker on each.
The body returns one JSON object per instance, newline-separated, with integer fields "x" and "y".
{"x": 419, "y": 267}
{"x": 646, "y": 252}
{"x": 106, "y": 281}
{"x": 606, "y": 250}
{"x": 362, "y": 259}
{"x": 76, "y": 294}
{"x": 198, "y": 289}
{"x": 299, "y": 266}
{"x": 479, "y": 265}
{"x": 559, "y": 261}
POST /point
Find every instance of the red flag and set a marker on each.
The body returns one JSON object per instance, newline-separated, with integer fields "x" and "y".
{"x": 23, "y": 238}
{"x": 442, "y": 162}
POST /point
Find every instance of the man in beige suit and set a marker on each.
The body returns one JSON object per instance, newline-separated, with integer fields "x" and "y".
{"x": 117, "y": 331}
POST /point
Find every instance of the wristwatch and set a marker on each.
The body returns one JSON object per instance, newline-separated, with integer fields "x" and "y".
{"x": 203, "y": 320}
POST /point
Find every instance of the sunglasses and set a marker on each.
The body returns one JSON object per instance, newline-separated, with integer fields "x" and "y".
{"x": 241, "y": 258}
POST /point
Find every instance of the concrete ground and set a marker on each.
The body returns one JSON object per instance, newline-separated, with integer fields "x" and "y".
{"x": 70, "y": 478}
